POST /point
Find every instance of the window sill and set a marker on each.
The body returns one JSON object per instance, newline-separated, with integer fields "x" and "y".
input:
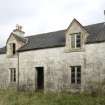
{"x": 12, "y": 84}
{"x": 76, "y": 86}
{"x": 12, "y": 56}
{"x": 69, "y": 50}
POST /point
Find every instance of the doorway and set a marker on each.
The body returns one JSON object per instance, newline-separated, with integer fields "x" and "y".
{"x": 40, "y": 78}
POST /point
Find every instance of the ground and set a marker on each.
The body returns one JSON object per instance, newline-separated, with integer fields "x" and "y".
{"x": 10, "y": 97}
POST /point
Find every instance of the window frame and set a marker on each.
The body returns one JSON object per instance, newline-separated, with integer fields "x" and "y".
{"x": 76, "y": 78}
{"x": 13, "y": 48}
{"x": 12, "y": 75}
{"x": 75, "y": 40}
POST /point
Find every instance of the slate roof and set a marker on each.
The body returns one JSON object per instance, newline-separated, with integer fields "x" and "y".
{"x": 46, "y": 40}
{"x": 97, "y": 33}
{"x": 3, "y": 50}
{"x": 57, "y": 39}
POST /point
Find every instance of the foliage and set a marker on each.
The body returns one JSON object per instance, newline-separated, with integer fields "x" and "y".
{"x": 12, "y": 97}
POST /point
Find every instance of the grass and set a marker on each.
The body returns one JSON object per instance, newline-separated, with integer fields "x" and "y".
{"x": 9, "y": 97}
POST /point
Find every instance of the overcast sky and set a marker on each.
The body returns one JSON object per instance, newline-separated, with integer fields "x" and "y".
{"x": 40, "y": 16}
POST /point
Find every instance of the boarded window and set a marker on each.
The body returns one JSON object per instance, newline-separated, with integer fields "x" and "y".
{"x": 12, "y": 74}
{"x": 75, "y": 74}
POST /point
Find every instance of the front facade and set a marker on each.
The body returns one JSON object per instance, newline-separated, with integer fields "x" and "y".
{"x": 69, "y": 59}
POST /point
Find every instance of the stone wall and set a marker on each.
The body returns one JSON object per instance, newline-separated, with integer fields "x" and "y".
{"x": 18, "y": 43}
{"x": 56, "y": 63}
{"x": 5, "y": 65}
{"x": 95, "y": 63}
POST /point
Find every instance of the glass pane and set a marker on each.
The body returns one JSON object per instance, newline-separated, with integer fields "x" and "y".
{"x": 14, "y": 48}
{"x": 72, "y": 74}
{"x": 78, "y": 35}
{"x": 73, "y": 80}
{"x": 78, "y": 81}
{"x": 78, "y": 69}
{"x": 72, "y": 69}
{"x": 78, "y": 40}
{"x": 11, "y": 74}
{"x": 78, "y": 74}
{"x": 72, "y": 41}
{"x": 14, "y": 75}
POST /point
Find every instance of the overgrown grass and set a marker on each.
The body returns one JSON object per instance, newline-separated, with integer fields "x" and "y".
{"x": 9, "y": 97}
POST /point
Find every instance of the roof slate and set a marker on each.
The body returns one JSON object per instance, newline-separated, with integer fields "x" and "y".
{"x": 3, "y": 50}
{"x": 46, "y": 40}
{"x": 96, "y": 33}
{"x": 57, "y": 39}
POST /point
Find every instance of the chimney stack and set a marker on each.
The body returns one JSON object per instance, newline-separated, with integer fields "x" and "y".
{"x": 18, "y": 31}
{"x": 19, "y": 27}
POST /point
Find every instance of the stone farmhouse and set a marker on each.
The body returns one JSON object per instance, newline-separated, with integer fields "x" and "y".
{"x": 68, "y": 59}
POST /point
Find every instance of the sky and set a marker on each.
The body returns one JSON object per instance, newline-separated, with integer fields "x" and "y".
{"x": 41, "y": 16}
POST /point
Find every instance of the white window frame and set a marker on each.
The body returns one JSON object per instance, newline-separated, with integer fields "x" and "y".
{"x": 75, "y": 36}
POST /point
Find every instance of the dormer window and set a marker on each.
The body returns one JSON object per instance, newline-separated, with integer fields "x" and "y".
{"x": 75, "y": 40}
{"x": 13, "y": 48}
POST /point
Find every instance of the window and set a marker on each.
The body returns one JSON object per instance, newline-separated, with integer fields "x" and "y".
{"x": 76, "y": 40}
{"x": 12, "y": 74}
{"x": 75, "y": 74}
{"x": 13, "y": 48}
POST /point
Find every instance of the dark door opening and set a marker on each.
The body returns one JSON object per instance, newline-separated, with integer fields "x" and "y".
{"x": 40, "y": 77}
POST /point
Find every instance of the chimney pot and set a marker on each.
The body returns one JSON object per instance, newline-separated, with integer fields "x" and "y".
{"x": 18, "y": 31}
{"x": 19, "y": 27}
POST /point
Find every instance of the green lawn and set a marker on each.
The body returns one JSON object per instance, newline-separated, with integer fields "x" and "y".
{"x": 37, "y": 98}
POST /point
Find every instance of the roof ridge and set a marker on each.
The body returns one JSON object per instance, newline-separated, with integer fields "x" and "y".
{"x": 45, "y": 33}
{"x": 60, "y": 34}
{"x": 60, "y": 30}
